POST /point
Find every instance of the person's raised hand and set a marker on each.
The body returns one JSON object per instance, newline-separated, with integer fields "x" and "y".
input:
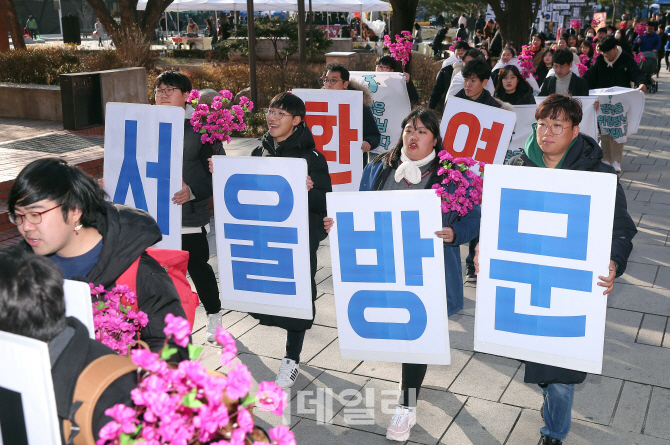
{"x": 365, "y": 146}
{"x": 182, "y": 195}
{"x": 447, "y": 234}
{"x": 476, "y": 259}
{"x": 328, "y": 223}
{"x": 211, "y": 165}
{"x": 310, "y": 183}
{"x": 608, "y": 281}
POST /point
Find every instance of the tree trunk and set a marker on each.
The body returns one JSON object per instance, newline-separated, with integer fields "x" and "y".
{"x": 302, "y": 34}
{"x": 404, "y": 13}
{"x": 4, "y": 32}
{"x": 515, "y": 24}
{"x": 15, "y": 27}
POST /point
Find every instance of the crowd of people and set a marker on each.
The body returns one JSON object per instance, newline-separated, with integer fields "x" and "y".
{"x": 62, "y": 214}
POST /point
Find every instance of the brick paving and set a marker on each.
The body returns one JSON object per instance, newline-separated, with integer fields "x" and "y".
{"x": 480, "y": 398}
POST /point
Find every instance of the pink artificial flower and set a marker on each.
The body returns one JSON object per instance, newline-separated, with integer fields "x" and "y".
{"x": 193, "y": 95}
{"x": 281, "y": 435}
{"x": 244, "y": 420}
{"x": 239, "y": 381}
{"x": 271, "y": 397}
{"x": 178, "y": 328}
{"x": 146, "y": 360}
{"x": 226, "y": 94}
{"x": 226, "y": 340}
{"x": 109, "y": 433}
{"x": 125, "y": 416}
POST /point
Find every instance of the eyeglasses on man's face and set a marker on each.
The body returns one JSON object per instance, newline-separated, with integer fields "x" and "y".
{"x": 32, "y": 217}
{"x": 275, "y": 113}
{"x": 331, "y": 81}
{"x": 168, "y": 91}
{"x": 556, "y": 129}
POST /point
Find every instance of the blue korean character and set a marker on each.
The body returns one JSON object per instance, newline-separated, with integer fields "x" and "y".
{"x": 378, "y": 108}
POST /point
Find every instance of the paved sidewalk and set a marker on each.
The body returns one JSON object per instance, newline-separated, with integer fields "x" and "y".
{"x": 481, "y": 399}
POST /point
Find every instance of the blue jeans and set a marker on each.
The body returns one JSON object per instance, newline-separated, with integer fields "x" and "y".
{"x": 557, "y": 409}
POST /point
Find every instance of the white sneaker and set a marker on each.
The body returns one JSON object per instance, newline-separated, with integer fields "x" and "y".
{"x": 213, "y": 321}
{"x": 607, "y": 162}
{"x": 288, "y": 373}
{"x": 616, "y": 166}
{"x": 402, "y": 422}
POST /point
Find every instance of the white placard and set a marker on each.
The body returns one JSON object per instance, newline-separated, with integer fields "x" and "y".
{"x": 335, "y": 119}
{"x": 620, "y": 111}
{"x": 477, "y": 131}
{"x": 390, "y": 104}
{"x": 78, "y": 303}
{"x": 537, "y": 293}
{"x": 525, "y": 118}
{"x": 143, "y": 162}
{"x": 388, "y": 276}
{"x": 588, "y": 125}
{"x": 262, "y": 235}
{"x": 27, "y": 387}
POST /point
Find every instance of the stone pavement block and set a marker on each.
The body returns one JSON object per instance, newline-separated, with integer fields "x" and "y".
{"x": 325, "y": 311}
{"x": 641, "y": 159}
{"x": 210, "y": 357}
{"x": 323, "y": 257}
{"x": 526, "y": 431}
{"x": 654, "y": 237}
{"x": 322, "y": 274}
{"x": 227, "y": 320}
{"x": 638, "y": 274}
{"x": 637, "y": 362}
{"x": 642, "y": 299}
{"x": 319, "y": 401}
{"x": 522, "y": 394}
{"x": 310, "y": 432}
{"x": 330, "y": 358}
{"x": 652, "y": 329}
{"x": 481, "y": 422}
{"x": 381, "y": 370}
{"x": 586, "y": 433}
{"x": 596, "y": 398}
{"x": 326, "y": 286}
{"x": 660, "y": 197}
{"x": 643, "y": 195}
{"x": 657, "y": 424}
{"x": 435, "y": 411}
{"x": 469, "y": 298}
{"x": 496, "y": 371}
{"x": 440, "y": 377}
{"x": 462, "y": 331}
{"x": 270, "y": 341}
{"x": 663, "y": 278}
{"x": 634, "y": 175}
{"x": 622, "y": 325}
{"x": 632, "y": 194}
{"x": 243, "y": 326}
{"x": 649, "y": 208}
{"x": 632, "y": 407}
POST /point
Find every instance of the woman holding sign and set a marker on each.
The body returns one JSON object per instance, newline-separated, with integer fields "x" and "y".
{"x": 413, "y": 164}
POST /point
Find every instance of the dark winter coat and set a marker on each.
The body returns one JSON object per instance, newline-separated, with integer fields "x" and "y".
{"x": 578, "y": 86}
{"x": 301, "y": 145}
{"x": 126, "y": 234}
{"x": 441, "y": 86}
{"x": 585, "y": 155}
{"x": 466, "y": 228}
{"x": 371, "y": 133}
{"x": 621, "y": 74}
{"x": 79, "y": 352}
{"x": 484, "y": 98}
{"x": 517, "y": 97}
{"x": 196, "y": 175}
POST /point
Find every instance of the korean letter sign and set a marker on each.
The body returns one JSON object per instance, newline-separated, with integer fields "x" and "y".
{"x": 262, "y": 235}
{"x": 143, "y": 162}
{"x": 388, "y": 276}
{"x": 335, "y": 118}
{"x": 545, "y": 237}
{"x": 28, "y": 405}
{"x": 476, "y": 131}
{"x": 390, "y": 104}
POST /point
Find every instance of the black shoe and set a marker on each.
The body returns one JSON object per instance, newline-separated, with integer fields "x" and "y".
{"x": 546, "y": 440}
{"x": 470, "y": 273}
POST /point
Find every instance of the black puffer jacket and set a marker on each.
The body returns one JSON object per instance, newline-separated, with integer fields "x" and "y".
{"x": 620, "y": 74}
{"x": 79, "y": 352}
{"x": 126, "y": 234}
{"x": 586, "y": 155}
{"x": 301, "y": 145}
{"x": 196, "y": 175}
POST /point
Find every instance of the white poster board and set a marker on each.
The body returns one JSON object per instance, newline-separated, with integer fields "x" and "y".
{"x": 525, "y": 118}
{"x": 390, "y": 104}
{"x": 477, "y": 131}
{"x": 262, "y": 235}
{"x": 545, "y": 237}
{"x": 143, "y": 162}
{"x": 28, "y": 412}
{"x": 388, "y": 276}
{"x": 78, "y": 303}
{"x": 589, "y": 124}
{"x": 620, "y": 111}
{"x": 335, "y": 119}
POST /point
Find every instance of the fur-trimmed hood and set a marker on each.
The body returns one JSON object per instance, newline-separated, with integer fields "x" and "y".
{"x": 367, "y": 95}
{"x": 505, "y": 105}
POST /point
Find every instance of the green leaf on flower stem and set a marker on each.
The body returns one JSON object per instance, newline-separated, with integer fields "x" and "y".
{"x": 190, "y": 401}
{"x": 168, "y": 352}
{"x": 203, "y": 131}
{"x": 126, "y": 439}
{"x": 194, "y": 351}
{"x": 248, "y": 400}
{"x": 100, "y": 305}
{"x": 123, "y": 309}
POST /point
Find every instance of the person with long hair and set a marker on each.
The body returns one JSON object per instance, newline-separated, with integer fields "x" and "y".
{"x": 537, "y": 45}
{"x": 547, "y": 63}
{"x": 412, "y": 165}
{"x": 513, "y": 88}
{"x": 586, "y": 48}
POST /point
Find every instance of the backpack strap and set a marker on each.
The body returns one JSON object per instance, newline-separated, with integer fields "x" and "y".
{"x": 92, "y": 382}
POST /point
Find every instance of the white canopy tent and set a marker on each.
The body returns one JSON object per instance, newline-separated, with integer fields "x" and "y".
{"x": 274, "y": 5}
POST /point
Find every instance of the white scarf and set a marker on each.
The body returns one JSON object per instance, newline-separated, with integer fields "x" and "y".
{"x": 411, "y": 170}
{"x": 618, "y": 53}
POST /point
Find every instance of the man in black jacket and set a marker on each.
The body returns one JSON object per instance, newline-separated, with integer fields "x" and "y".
{"x": 443, "y": 80}
{"x": 557, "y": 143}
{"x": 32, "y": 305}
{"x": 289, "y": 137}
{"x": 565, "y": 81}
{"x": 613, "y": 68}
{"x": 60, "y": 212}
{"x": 194, "y": 197}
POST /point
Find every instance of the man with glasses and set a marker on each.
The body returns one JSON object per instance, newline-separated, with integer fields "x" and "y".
{"x": 337, "y": 78}
{"x": 173, "y": 88}
{"x": 61, "y": 214}
{"x": 557, "y": 143}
